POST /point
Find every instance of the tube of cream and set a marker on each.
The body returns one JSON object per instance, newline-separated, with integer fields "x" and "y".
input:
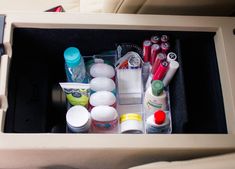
{"x": 76, "y": 93}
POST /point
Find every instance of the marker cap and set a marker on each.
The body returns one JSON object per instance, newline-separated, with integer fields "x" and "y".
{"x": 157, "y": 87}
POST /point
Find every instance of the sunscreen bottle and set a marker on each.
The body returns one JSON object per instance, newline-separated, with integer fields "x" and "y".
{"x": 155, "y": 98}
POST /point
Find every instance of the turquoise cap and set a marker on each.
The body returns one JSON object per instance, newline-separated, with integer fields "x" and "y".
{"x": 72, "y": 56}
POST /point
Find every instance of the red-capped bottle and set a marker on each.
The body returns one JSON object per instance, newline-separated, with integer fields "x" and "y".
{"x": 159, "y": 122}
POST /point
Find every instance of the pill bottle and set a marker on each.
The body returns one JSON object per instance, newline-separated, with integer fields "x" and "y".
{"x": 104, "y": 119}
{"x": 78, "y": 120}
{"x": 155, "y": 98}
{"x": 131, "y": 123}
{"x": 159, "y": 122}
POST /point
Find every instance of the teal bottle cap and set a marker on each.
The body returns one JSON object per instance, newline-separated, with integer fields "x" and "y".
{"x": 72, "y": 56}
{"x": 157, "y": 87}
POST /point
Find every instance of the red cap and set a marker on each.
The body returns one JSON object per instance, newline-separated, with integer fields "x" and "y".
{"x": 159, "y": 117}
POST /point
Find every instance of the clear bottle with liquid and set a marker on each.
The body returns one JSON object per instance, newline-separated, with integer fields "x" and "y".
{"x": 74, "y": 65}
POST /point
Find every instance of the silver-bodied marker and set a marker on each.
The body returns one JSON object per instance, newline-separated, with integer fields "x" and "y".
{"x": 174, "y": 65}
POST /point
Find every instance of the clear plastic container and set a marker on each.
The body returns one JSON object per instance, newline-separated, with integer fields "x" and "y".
{"x": 74, "y": 65}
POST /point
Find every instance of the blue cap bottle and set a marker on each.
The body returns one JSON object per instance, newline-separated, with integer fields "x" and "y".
{"x": 72, "y": 56}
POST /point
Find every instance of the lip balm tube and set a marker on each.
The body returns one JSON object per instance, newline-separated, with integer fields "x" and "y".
{"x": 161, "y": 71}
{"x": 164, "y": 38}
{"x": 155, "y": 49}
{"x": 173, "y": 66}
{"x": 155, "y": 39}
{"x": 160, "y": 57}
{"x": 165, "y": 47}
{"x": 171, "y": 56}
{"x": 146, "y": 50}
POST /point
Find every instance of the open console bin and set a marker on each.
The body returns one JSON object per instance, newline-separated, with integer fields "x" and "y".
{"x": 37, "y": 65}
{"x": 201, "y": 93}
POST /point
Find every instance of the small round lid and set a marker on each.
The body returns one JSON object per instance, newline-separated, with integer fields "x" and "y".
{"x": 159, "y": 117}
{"x": 102, "y": 98}
{"x": 72, "y": 56}
{"x": 77, "y": 116}
{"x": 104, "y": 113}
{"x": 157, "y": 87}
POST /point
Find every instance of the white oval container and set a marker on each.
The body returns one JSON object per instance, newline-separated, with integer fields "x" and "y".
{"x": 102, "y": 84}
{"x": 78, "y": 119}
{"x": 102, "y": 70}
{"x": 104, "y": 118}
{"x": 103, "y": 98}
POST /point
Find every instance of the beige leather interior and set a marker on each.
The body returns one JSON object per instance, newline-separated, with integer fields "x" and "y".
{"x": 216, "y": 162}
{"x": 171, "y": 7}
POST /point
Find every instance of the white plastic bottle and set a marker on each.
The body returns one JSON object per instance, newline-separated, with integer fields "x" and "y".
{"x": 158, "y": 122}
{"x": 155, "y": 98}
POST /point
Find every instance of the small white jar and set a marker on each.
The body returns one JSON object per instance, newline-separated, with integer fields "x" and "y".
{"x": 131, "y": 123}
{"x": 78, "y": 119}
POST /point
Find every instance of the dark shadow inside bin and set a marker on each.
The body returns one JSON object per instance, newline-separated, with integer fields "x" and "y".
{"x": 37, "y": 66}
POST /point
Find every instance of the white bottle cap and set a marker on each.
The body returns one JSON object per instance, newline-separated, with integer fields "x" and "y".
{"x": 78, "y": 118}
{"x": 171, "y": 57}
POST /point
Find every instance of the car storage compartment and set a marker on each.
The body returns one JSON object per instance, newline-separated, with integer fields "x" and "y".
{"x": 37, "y": 65}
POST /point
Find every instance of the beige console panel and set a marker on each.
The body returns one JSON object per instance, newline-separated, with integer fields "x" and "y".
{"x": 116, "y": 150}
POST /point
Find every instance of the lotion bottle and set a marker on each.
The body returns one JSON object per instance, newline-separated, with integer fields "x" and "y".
{"x": 155, "y": 98}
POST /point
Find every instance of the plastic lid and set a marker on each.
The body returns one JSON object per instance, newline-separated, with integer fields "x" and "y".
{"x": 102, "y": 98}
{"x": 104, "y": 113}
{"x": 159, "y": 117}
{"x": 72, "y": 56}
{"x": 77, "y": 116}
{"x": 157, "y": 87}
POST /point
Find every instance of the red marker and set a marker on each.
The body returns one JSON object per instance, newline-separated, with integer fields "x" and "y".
{"x": 146, "y": 50}
{"x": 155, "y": 49}
{"x": 160, "y": 57}
{"x": 161, "y": 71}
{"x": 165, "y": 47}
